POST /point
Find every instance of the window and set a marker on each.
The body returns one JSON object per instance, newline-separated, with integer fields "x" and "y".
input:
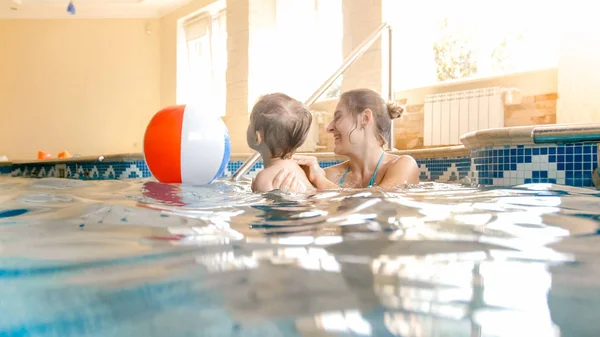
{"x": 204, "y": 47}
{"x": 440, "y": 40}
{"x": 299, "y": 50}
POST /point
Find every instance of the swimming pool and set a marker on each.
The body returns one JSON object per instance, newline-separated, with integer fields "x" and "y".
{"x": 139, "y": 258}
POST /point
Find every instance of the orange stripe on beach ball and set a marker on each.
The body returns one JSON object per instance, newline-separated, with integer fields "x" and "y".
{"x": 162, "y": 144}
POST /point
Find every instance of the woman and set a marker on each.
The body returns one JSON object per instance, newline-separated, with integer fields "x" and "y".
{"x": 360, "y": 127}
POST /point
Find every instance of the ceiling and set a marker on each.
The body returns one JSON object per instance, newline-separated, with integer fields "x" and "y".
{"x": 57, "y": 9}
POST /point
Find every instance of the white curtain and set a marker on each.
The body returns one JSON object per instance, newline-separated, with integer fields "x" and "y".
{"x": 206, "y": 42}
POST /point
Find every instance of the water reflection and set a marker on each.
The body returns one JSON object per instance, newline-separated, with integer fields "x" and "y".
{"x": 142, "y": 258}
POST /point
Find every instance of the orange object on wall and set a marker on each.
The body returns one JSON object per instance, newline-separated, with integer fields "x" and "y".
{"x": 44, "y": 155}
{"x": 64, "y": 154}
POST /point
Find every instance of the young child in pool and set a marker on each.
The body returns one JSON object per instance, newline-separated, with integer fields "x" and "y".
{"x": 278, "y": 126}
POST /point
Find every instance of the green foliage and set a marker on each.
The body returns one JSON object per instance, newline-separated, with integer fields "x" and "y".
{"x": 454, "y": 56}
{"x": 335, "y": 90}
{"x": 502, "y": 55}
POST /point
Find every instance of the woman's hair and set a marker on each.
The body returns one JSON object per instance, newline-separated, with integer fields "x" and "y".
{"x": 358, "y": 100}
{"x": 283, "y": 121}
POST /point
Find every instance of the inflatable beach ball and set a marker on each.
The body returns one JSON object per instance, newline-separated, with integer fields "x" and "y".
{"x": 184, "y": 145}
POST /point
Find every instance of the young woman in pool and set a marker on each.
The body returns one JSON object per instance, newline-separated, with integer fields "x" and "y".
{"x": 360, "y": 126}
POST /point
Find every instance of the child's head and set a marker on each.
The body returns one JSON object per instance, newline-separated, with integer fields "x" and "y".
{"x": 279, "y": 124}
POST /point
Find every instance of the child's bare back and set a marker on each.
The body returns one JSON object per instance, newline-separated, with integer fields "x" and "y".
{"x": 264, "y": 179}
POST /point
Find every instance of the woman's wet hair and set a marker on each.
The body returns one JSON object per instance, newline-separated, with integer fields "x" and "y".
{"x": 358, "y": 100}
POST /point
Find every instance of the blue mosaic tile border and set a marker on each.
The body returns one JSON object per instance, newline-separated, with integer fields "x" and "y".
{"x": 84, "y": 170}
{"x": 449, "y": 169}
{"x": 436, "y": 169}
{"x": 5, "y": 169}
{"x": 327, "y": 163}
{"x": 564, "y": 164}
{"x": 232, "y": 166}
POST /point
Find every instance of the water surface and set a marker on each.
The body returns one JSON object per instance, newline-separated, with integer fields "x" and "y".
{"x": 139, "y": 258}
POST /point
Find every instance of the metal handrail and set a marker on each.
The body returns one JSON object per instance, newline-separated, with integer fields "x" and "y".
{"x": 247, "y": 165}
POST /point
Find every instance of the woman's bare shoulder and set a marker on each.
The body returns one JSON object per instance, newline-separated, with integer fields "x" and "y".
{"x": 403, "y": 160}
{"x": 401, "y": 169}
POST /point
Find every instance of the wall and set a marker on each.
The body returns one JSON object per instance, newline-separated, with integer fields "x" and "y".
{"x": 538, "y": 90}
{"x": 360, "y": 19}
{"x": 255, "y": 66}
{"x": 579, "y": 76}
{"x": 168, "y": 49}
{"x": 322, "y": 115}
{"x": 96, "y": 83}
{"x": 533, "y": 110}
{"x": 528, "y": 83}
{"x": 537, "y": 105}
{"x": 578, "y": 60}
{"x": 86, "y": 86}
{"x": 239, "y": 13}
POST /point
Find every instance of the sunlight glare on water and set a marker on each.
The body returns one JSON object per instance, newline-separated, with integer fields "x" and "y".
{"x": 140, "y": 258}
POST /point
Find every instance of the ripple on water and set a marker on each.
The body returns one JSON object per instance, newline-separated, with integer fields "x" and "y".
{"x": 136, "y": 257}
{"x": 58, "y": 184}
{"x": 12, "y": 212}
{"x": 44, "y": 199}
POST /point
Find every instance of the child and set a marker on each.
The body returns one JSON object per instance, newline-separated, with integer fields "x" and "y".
{"x": 278, "y": 126}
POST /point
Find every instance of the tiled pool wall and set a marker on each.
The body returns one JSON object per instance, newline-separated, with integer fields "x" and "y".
{"x": 432, "y": 169}
{"x": 565, "y": 164}
{"x": 446, "y": 169}
{"x": 95, "y": 170}
{"x": 5, "y": 169}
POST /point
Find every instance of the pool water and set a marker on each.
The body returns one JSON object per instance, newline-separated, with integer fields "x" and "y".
{"x": 140, "y": 258}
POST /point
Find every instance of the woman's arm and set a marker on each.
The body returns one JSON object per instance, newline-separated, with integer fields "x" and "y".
{"x": 404, "y": 170}
{"x": 286, "y": 181}
{"x": 322, "y": 183}
{"x": 316, "y": 175}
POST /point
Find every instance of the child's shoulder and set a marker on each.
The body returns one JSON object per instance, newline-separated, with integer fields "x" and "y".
{"x": 263, "y": 182}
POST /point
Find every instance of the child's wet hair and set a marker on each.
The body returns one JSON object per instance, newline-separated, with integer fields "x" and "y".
{"x": 283, "y": 121}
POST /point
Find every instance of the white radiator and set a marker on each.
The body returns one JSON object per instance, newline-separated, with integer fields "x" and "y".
{"x": 450, "y": 115}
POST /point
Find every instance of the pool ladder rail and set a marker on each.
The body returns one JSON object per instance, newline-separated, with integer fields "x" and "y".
{"x": 356, "y": 53}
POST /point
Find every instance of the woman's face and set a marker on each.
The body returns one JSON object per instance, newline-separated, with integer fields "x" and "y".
{"x": 341, "y": 128}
